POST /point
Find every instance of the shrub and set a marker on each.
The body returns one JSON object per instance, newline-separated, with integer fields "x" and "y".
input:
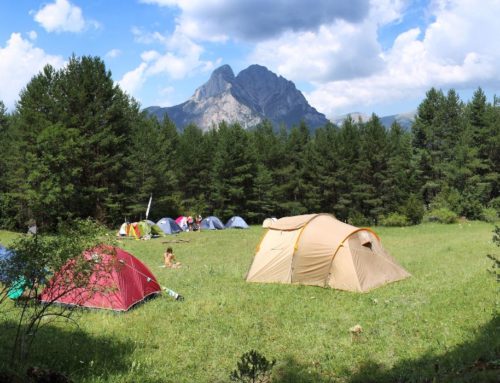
{"x": 442, "y": 215}
{"x": 495, "y": 204}
{"x": 253, "y": 367}
{"x": 489, "y": 214}
{"x": 357, "y": 219}
{"x": 394, "y": 219}
{"x": 414, "y": 209}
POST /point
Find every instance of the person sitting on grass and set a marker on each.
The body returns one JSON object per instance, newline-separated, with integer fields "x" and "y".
{"x": 169, "y": 259}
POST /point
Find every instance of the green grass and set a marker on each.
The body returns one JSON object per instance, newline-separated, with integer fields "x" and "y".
{"x": 440, "y": 323}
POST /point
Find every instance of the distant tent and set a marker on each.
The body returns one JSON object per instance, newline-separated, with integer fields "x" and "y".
{"x": 119, "y": 281}
{"x": 17, "y": 284}
{"x": 122, "y": 232}
{"x": 141, "y": 229}
{"x": 317, "y": 249}
{"x": 5, "y": 256}
{"x": 149, "y": 222}
{"x": 268, "y": 221}
{"x": 182, "y": 222}
{"x": 212, "y": 223}
{"x": 169, "y": 226}
{"x": 236, "y": 222}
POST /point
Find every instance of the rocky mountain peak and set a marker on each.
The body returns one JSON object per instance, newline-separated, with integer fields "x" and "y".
{"x": 253, "y": 95}
{"x": 220, "y": 81}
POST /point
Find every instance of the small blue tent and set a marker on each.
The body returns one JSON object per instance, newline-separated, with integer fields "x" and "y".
{"x": 169, "y": 226}
{"x": 212, "y": 223}
{"x": 5, "y": 255}
{"x": 17, "y": 285}
{"x": 236, "y": 222}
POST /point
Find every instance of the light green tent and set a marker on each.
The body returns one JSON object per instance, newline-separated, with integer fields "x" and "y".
{"x": 143, "y": 229}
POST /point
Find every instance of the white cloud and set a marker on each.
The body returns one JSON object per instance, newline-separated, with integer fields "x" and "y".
{"x": 181, "y": 58}
{"x": 113, "y": 53}
{"x": 254, "y": 20}
{"x": 20, "y": 60}
{"x": 132, "y": 81}
{"x": 62, "y": 16}
{"x": 335, "y": 52}
{"x": 32, "y": 35}
{"x": 457, "y": 50}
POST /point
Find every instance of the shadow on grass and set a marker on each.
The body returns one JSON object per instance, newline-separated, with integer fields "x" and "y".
{"x": 69, "y": 350}
{"x": 291, "y": 371}
{"x": 474, "y": 361}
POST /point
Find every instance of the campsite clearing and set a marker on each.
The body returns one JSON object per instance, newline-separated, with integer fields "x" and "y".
{"x": 438, "y": 323}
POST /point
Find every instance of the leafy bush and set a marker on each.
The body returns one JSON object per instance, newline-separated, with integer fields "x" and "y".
{"x": 253, "y": 368}
{"x": 442, "y": 215}
{"x": 414, "y": 209}
{"x": 495, "y": 204}
{"x": 357, "y": 219}
{"x": 394, "y": 219}
{"x": 489, "y": 215}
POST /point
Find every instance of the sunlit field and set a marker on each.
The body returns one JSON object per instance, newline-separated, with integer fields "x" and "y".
{"x": 440, "y": 323}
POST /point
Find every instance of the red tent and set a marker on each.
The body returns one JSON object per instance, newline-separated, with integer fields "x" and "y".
{"x": 118, "y": 281}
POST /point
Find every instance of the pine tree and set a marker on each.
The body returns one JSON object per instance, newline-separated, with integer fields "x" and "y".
{"x": 194, "y": 158}
{"x": 349, "y": 147}
{"x": 371, "y": 170}
{"x": 399, "y": 183}
{"x": 327, "y": 162}
{"x": 234, "y": 171}
{"x": 74, "y": 125}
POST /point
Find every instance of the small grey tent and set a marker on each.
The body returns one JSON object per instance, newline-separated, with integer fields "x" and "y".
{"x": 236, "y": 222}
{"x": 169, "y": 226}
{"x": 212, "y": 223}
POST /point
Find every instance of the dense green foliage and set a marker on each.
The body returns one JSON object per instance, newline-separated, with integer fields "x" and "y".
{"x": 439, "y": 325}
{"x": 77, "y": 146}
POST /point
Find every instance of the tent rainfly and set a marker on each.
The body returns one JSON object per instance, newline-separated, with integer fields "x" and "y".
{"x": 318, "y": 249}
{"x": 236, "y": 222}
{"x": 268, "y": 222}
{"x": 118, "y": 281}
{"x": 169, "y": 226}
{"x": 140, "y": 229}
{"x": 212, "y": 223}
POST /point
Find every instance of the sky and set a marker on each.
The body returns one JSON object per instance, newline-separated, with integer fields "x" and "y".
{"x": 367, "y": 56}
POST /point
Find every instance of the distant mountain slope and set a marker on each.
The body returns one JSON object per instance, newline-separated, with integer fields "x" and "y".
{"x": 249, "y": 98}
{"x": 406, "y": 120}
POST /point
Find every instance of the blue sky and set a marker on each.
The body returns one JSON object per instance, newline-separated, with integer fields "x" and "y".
{"x": 345, "y": 56}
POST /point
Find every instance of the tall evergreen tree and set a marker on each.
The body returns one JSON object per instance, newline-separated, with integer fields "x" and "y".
{"x": 234, "y": 171}
{"x": 290, "y": 176}
{"x": 74, "y": 126}
{"x": 194, "y": 157}
{"x": 152, "y": 171}
{"x": 399, "y": 183}
{"x": 371, "y": 170}
{"x": 426, "y": 144}
{"x": 326, "y": 156}
{"x": 349, "y": 147}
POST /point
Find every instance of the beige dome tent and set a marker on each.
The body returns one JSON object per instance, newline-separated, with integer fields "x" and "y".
{"x": 268, "y": 222}
{"x": 317, "y": 249}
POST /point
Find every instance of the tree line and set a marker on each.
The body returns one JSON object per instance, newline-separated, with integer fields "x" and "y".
{"x": 77, "y": 146}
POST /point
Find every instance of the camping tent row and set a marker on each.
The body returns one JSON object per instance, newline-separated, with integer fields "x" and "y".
{"x": 317, "y": 249}
{"x": 141, "y": 229}
{"x": 171, "y": 226}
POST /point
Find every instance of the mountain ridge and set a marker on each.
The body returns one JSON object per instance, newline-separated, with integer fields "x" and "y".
{"x": 254, "y": 95}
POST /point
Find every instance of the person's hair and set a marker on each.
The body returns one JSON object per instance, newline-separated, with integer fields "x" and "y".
{"x": 169, "y": 250}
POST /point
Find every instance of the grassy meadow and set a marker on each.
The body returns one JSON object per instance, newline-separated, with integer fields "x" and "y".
{"x": 442, "y": 323}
